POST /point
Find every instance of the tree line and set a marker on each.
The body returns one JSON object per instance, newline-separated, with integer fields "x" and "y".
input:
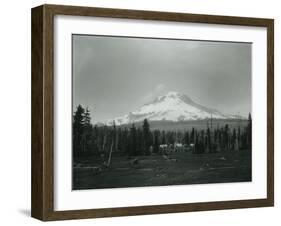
{"x": 89, "y": 139}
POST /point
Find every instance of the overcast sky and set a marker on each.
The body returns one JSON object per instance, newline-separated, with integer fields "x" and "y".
{"x": 116, "y": 75}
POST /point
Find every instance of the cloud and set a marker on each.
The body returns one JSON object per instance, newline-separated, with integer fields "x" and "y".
{"x": 158, "y": 90}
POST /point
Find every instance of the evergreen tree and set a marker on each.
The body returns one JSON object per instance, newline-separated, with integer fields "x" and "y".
{"x": 192, "y": 136}
{"x": 119, "y": 146}
{"x": 78, "y": 130}
{"x": 218, "y": 140}
{"x": 125, "y": 146}
{"x": 239, "y": 138}
{"x": 234, "y": 140}
{"x": 163, "y": 137}
{"x": 226, "y": 137}
{"x": 179, "y": 137}
{"x": 140, "y": 149}
{"x": 156, "y": 141}
{"x": 87, "y": 117}
{"x": 95, "y": 145}
{"x": 146, "y": 136}
{"x": 202, "y": 142}
{"x": 196, "y": 143}
{"x": 186, "y": 138}
{"x": 133, "y": 141}
{"x": 170, "y": 137}
{"x": 87, "y": 133}
{"x": 114, "y": 137}
{"x": 221, "y": 144}
{"x": 249, "y": 131}
{"x": 208, "y": 143}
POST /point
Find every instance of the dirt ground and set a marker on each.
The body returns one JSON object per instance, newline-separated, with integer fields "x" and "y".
{"x": 156, "y": 170}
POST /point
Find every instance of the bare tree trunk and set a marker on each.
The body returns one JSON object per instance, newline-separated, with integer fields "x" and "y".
{"x": 104, "y": 142}
{"x": 116, "y": 142}
{"x": 110, "y": 153}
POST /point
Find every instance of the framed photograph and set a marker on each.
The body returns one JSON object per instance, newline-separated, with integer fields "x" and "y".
{"x": 142, "y": 112}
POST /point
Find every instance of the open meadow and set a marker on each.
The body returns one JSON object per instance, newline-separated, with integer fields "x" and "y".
{"x": 178, "y": 168}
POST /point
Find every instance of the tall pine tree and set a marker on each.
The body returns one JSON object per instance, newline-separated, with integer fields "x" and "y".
{"x": 249, "y": 131}
{"x": 133, "y": 141}
{"x": 156, "y": 141}
{"x": 78, "y": 130}
{"x": 88, "y": 132}
{"x": 146, "y": 137}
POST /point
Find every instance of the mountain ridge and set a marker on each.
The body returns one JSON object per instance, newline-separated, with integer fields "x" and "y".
{"x": 173, "y": 106}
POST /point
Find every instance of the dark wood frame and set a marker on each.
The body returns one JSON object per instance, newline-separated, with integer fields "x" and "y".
{"x": 42, "y": 203}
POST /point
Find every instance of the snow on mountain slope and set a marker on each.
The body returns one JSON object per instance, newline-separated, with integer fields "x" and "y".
{"x": 171, "y": 107}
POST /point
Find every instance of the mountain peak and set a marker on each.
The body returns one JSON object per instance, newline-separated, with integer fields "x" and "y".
{"x": 173, "y": 94}
{"x": 173, "y": 106}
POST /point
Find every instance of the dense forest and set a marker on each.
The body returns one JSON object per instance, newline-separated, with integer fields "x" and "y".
{"x": 89, "y": 139}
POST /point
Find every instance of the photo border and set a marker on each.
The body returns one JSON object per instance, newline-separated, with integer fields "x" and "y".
{"x": 42, "y": 203}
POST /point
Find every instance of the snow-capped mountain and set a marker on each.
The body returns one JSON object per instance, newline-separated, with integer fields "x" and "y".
{"x": 171, "y": 107}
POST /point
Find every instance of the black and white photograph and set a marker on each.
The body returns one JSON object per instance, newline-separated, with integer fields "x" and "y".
{"x": 160, "y": 112}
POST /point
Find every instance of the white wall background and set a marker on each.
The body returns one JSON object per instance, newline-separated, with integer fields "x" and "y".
{"x": 15, "y": 112}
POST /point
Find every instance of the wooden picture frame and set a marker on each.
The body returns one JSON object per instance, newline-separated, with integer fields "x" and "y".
{"x": 43, "y": 112}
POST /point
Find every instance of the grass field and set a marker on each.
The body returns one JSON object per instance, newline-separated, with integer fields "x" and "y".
{"x": 156, "y": 170}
